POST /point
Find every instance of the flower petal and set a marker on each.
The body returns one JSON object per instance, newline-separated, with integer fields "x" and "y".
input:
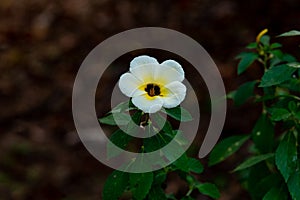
{"x": 165, "y": 74}
{"x": 148, "y": 104}
{"x": 145, "y": 73}
{"x": 175, "y": 95}
{"x": 142, "y": 60}
{"x": 175, "y": 65}
{"x": 129, "y": 85}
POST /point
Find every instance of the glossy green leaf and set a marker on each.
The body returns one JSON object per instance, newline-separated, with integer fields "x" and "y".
{"x": 277, "y": 75}
{"x": 244, "y": 92}
{"x": 208, "y": 189}
{"x": 278, "y": 114}
{"x": 115, "y": 185}
{"x": 263, "y": 134}
{"x": 116, "y": 119}
{"x": 120, "y": 139}
{"x": 286, "y": 156}
{"x": 225, "y": 148}
{"x": 246, "y": 59}
{"x": 294, "y": 185}
{"x": 178, "y": 113}
{"x": 187, "y": 164}
{"x": 290, "y": 33}
{"x": 253, "y": 161}
{"x": 195, "y": 165}
{"x": 140, "y": 184}
{"x": 276, "y": 193}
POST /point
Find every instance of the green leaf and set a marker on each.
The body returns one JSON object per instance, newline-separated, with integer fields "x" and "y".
{"x": 244, "y": 92}
{"x": 178, "y": 113}
{"x": 159, "y": 177}
{"x": 265, "y": 40}
{"x": 115, "y": 185}
{"x": 292, "y": 84}
{"x": 275, "y": 45}
{"x": 252, "y": 45}
{"x": 120, "y": 139}
{"x": 156, "y": 193}
{"x": 133, "y": 125}
{"x": 247, "y": 58}
{"x": 195, "y": 165}
{"x": 140, "y": 184}
{"x": 162, "y": 123}
{"x": 294, "y": 64}
{"x": 265, "y": 184}
{"x": 187, "y": 164}
{"x": 257, "y": 174}
{"x": 263, "y": 134}
{"x": 276, "y": 193}
{"x": 277, "y": 75}
{"x": 290, "y": 33}
{"x": 225, "y": 148}
{"x": 253, "y": 161}
{"x": 286, "y": 156}
{"x": 294, "y": 185}
{"x": 112, "y": 119}
{"x": 208, "y": 189}
{"x": 156, "y": 142}
{"x": 278, "y": 114}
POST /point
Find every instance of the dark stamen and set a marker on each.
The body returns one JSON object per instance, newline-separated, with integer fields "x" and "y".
{"x": 152, "y": 90}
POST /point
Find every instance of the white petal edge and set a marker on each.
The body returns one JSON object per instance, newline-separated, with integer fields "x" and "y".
{"x": 146, "y": 104}
{"x": 164, "y": 74}
{"x": 177, "y": 92}
{"x": 145, "y": 73}
{"x": 142, "y": 60}
{"x": 129, "y": 85}
{"x": 175, "y": 65}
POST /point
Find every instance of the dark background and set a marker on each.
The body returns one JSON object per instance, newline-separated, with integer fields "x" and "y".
{"x": 42, "y": 44}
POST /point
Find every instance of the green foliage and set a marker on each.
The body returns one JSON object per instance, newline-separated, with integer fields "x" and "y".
{"x": 243, "y": 93}
{"x": 139, "y": 186}
{"x": 286, "y": 156}
{"x": 246, "y": 59}
{"x": 209, "y": 190}
{"x": 272, "y": 168}
{"x": 253, "y": 161}
{"x": 290, "y": 33}
{"x": 115, "y": 185}
{"x": 263, "y": 131}
{"x": 226, "y": 148}
{"x": 179, "y": 114}
{"x": 276, "y": 75}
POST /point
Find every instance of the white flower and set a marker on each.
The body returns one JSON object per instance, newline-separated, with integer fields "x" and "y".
{"x": 152, "y": 85}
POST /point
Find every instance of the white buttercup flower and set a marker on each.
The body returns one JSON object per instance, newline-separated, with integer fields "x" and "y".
{"x": 153, "y": 85}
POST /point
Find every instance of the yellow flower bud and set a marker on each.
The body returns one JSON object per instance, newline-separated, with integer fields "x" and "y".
{"x": 258, "y": 37}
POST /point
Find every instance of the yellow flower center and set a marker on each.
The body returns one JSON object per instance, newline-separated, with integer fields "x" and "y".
{"x": 152, "y": 90}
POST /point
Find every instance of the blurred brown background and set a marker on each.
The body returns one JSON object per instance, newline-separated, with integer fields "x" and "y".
{"x": 42, "y": 44}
